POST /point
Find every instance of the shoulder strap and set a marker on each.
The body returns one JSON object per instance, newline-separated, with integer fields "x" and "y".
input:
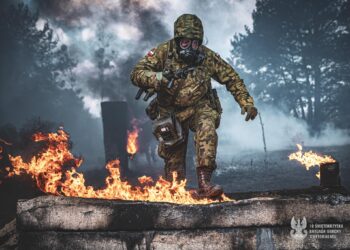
{"x": 170, "y": 56}
{"x": 169, "y": 53}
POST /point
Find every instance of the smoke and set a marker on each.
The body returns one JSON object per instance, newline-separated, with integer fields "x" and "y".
{"x": 282, "y": 131}
{"x": 108, "y": 37}
{"x": 221, "y": 20}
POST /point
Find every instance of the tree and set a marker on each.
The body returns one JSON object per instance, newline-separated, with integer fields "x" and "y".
{"x": 295, "y": 57}
{"x": 33, "y": 65}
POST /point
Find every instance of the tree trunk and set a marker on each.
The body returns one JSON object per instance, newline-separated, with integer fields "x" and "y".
{"x": 295, "y": 112}
{"x": 310, "y": 112}
{"x": 302, "y": 108}
{"x": 317, "y": 95}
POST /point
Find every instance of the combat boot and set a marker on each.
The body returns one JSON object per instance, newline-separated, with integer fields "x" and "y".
{"x": 205, "y": 188}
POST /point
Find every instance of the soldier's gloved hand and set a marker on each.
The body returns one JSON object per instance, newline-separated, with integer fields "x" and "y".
{"x": 251, "y": 111}
{"x": 168, "y": 74}
{"x": 160, "y": 81}
{"x": 169, "y": 77}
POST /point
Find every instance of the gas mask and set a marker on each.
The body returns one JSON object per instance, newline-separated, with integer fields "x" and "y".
{"x": 187, "y": 50}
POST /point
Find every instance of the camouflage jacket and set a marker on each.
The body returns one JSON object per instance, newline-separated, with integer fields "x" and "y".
{"x": 187, "y": 92}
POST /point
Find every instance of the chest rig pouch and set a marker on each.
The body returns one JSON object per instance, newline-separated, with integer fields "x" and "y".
{"x": 168, "y": 131}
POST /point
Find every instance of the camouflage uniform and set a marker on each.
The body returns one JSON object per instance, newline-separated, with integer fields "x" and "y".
{"x": 189, "y": 99}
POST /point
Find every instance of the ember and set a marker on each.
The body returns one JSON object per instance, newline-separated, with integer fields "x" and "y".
{"x": 50, "y": 176}
{"x": 310, "y": 159}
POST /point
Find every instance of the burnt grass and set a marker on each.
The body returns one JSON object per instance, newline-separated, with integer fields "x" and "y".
{"x": 248, "y": 172}
{"x": 239, "y": 174}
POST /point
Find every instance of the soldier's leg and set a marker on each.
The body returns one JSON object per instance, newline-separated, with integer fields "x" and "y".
{"x": 205, "y": 138}
{"x": 175, "y": 157}
{"x": 204, "y": 124}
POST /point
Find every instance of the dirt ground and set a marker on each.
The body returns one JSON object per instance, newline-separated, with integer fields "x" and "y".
{"x": 246, "y": 171}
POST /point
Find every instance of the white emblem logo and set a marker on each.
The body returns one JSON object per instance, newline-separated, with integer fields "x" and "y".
{"x": 298, "y": 231}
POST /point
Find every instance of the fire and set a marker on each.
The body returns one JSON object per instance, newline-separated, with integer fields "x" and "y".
{"x": 132, "y": 144}
{"x": 55, "y": 172}
{"x": 310, "y": 159}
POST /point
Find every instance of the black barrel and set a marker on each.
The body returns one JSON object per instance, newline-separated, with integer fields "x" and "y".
{"x": 115, "y": 125}
{"x": 329, "y": 175}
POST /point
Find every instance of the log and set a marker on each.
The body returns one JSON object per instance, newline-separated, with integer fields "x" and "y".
{"x": 263, "y": 222}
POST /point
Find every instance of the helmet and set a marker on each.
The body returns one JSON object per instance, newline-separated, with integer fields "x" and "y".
{"x": 188, "y": 35}
{"x": 189, "y": 26}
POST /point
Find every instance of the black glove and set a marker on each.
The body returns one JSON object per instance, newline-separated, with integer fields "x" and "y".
{"x": 169, "y": 77}
{"x": 168, "y": 74}
{"x": 251, "y": 111}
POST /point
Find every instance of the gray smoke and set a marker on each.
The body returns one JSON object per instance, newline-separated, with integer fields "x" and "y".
{"x": 106, "y": 38}
{"x": 282, "y": 131}
{"x": 118, "y": 33}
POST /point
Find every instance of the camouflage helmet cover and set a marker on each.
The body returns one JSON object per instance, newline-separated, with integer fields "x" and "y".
{"x": 189, "y": 26}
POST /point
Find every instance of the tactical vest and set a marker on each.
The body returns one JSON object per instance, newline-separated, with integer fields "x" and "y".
{"x": 184, "y": 93}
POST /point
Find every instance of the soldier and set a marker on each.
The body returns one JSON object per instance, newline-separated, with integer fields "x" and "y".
{"x": 179, "y": 71}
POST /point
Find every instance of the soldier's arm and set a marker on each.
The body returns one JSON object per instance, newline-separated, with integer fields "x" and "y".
{"x": 225, "y": 74}
{"x": 148, "y": 71}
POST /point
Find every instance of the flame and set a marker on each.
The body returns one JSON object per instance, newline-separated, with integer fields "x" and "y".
{"x": 132, "y": 144}
{"x": 55, "y": 172}
{"x": 310, "y": 159}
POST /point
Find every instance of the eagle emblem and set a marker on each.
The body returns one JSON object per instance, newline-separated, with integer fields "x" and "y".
{"x": 298, "y": 228}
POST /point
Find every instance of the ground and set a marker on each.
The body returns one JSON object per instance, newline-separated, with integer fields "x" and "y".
{"x": 246, "y": 171}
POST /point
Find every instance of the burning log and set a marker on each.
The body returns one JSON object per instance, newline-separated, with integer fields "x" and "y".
{"x": 329, "y": 167}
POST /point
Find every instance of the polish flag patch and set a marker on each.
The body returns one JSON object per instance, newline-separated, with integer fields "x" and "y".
{"x": 151, "y": 52}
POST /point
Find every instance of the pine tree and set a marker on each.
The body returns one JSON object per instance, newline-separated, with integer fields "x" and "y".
{"x": 295, "y": 56}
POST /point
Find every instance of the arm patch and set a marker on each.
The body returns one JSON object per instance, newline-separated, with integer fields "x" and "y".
{"x": 151, "y": 52}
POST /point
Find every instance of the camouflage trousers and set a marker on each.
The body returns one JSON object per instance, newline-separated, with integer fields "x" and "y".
{"x": 203, "y": 120}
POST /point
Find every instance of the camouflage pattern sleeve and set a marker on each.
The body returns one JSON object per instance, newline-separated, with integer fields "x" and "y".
{"x": 225, "y": 74}
{"x": 148, "y": 71}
